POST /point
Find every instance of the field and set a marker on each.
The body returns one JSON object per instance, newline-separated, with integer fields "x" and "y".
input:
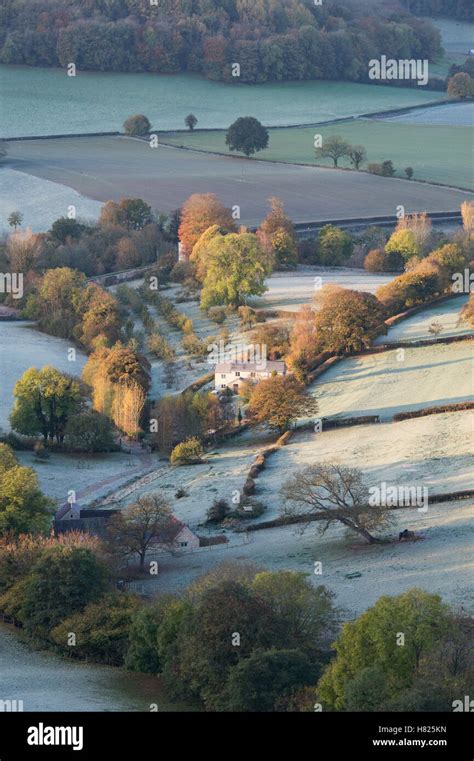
{"x": 437, "y": 153}
{"x": 41, "y": 101}
{"x": 23, "y": 347}
{"x": 41, "y": 201}
{"x": 441, "y": 563}
{"x": 387, "y": 383}
{"x": 416, "y": 328}
{"x": 289, "y": 291}
{"x": 454, "y": 114}
{"x": 115, "y": 167}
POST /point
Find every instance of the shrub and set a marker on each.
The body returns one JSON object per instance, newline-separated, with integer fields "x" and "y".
{"x": 218, "y": 511}
{"x": 379, "y": 260}
{"x": 187, "y": 452}
{"x": 137, "y": 125}
{"x": 217, "y": 314}
{"x": 90, "y": 432}
{"x": 194, "y": 346}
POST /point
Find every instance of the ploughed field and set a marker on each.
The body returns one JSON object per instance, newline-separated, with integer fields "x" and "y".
{"x": 106, "y": 168}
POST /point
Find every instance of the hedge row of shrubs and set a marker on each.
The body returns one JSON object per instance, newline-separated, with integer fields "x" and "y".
{"x": 455, "y": 407}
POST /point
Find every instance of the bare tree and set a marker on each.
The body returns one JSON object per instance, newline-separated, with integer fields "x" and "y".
{"x": 146, "y": 522}
{"x": 334, "y": 494}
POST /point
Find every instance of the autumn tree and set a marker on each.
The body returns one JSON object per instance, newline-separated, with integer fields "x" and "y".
{"x": 55, "y": 304}
{"x": 278, "y": 401}
{"x": 378, "y": 260}
{"x": 134, "y": 529}
{"x": 334, "y": 246}
{"x": 133, "y": 213}
{"x": 467, "y": 213}
{"x": 23, "y": 250}
{"x": 45, "y": 400}
{"x": 247, "y": 135}
{"x": 421, "y": 233}
{"x": 348, "y": 321}
{"x": 461, "y": 86}
{"x": 333, "y": 494}
{"x": 333, "y": 147}
{"x": 275, "y": 338}
{"x": 199, "y": 212}
{"x": 303, "y": 342}
{"x": 137, "y": 125}
{"x": 467, "y": 312}
{"x": 237, "y": 268}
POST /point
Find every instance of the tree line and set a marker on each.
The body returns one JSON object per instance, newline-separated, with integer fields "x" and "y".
{"x": 269, "y": 41}
{"x": 239, "y": 638}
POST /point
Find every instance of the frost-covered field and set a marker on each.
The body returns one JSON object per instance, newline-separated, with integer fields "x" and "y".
{"x": 436, "y": 451}
{"x": 21, "y": 347}
{"x": 397, "y": 381}
{"x": 224, "y": 472}
{"x": 415, "y": 328}
{"x": 289, "y": 291}
{"x": 91, "y": 477}
{"x": 442, "y": 563}
{"x": 40, "y": 201}
{"x": 451, "y": 114}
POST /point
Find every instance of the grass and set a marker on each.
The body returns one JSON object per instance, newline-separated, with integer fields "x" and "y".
{"x": 437, "y": 153}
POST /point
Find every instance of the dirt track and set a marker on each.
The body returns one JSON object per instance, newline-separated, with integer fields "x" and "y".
{"x": 106, "y": 168}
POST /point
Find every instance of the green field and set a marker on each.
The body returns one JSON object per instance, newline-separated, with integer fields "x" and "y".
{"x": 437, "y": 153}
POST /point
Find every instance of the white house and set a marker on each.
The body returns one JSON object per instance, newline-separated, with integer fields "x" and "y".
{"x": 233, "y": 374}
{"x": 177, "y": 536}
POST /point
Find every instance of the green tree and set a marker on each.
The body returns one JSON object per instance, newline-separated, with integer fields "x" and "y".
{"x": 187, "y": 452}
{"x": 23, "y": 507}
{"x": 225, "y": 614}
{"x": 236, "y": 268}
{"x": 247, "y": 135}
{"x": 142, "y": 654}
{"x": 285, "y": 250}
{"x": 15, "y": 219}
{"x": 373, "y": 640}
{"x": 333, "y": 147}
{"x": 306, "y": 613}
{"x": 90, "y": 432}
{"x": 190, "y": 121}
{"x": 63, "y": 229}
{"x": 334, "y": 246}
{"x": 45, "y": 400}
{"x": 138, "y": 125}
{"x": 264, "y": 679}
{"x": 403, "y": 242}
{"x": 62, "y": 582}
{"x": 278, "y": 401}
{"x": 101, "y": 629}
{"x": 58, "y": 301}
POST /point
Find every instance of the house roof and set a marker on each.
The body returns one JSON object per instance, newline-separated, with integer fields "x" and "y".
{"x": 64, "y": 509}
{"x": 169, "y": 533}
{"x": 268, "y": 365}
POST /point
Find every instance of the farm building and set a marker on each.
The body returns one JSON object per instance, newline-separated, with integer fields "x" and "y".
{"x": 233, "y": 374}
